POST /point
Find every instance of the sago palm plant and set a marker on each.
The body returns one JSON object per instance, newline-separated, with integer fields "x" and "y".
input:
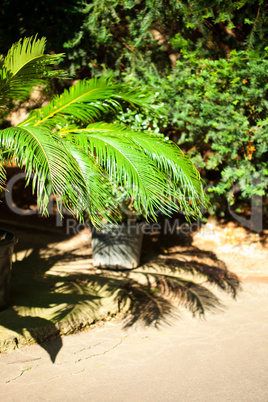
{"x": 69, "y": 150}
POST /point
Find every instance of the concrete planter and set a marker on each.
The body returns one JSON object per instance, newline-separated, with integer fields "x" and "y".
{"x": 117, "y": 246}
{"x": 7, "y": 243}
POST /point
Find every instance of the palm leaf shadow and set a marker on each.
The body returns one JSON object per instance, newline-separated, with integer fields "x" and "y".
{"x": 169, "y": 283}
{"x": 33, "y": 292}
{"x": 150, "y": 294}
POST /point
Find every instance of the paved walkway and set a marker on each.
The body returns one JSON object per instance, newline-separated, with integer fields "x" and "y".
{"x": 223, "y": 358}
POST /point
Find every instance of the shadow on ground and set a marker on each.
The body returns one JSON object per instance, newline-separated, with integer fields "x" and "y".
{"x": 46, "y": 305}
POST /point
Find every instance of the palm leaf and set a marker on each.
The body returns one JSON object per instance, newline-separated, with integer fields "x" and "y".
{"x": 22, "y": 52}
{"x": 145, "y": 162}
{"x": 44, "y": 157}
{"x": 76, "y": 103}
{"x": 26, "y": 66}
{"x": 2, "y": 174}
{"x": 136, "y": 97}
{"x": 128, "y": 166}
{"x": 100, "y": 199}
{"x": 81, "y": 164}
{"x": 87, "y": 101}
{"x": 170, "y": 159}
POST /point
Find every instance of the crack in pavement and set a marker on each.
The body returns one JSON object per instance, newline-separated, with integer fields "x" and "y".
{"x": 24, "y": 361}
{"x": 15, "y": 378}
{"x": 89, "y": 347}
{"x": 103, "y": 353}
{"x": 22, "y": 372}
{"x": 77, "y": 361}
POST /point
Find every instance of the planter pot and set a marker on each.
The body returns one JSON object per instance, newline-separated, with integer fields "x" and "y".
{"x": 6, "y": 250}
{"x": 117, "y": 246}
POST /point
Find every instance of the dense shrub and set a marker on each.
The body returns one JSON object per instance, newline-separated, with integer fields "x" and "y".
{"x": 217, "y": 111}
{"x": 125, "y": 34}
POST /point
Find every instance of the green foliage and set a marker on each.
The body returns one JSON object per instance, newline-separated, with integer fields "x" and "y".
{"x": 24, "y": 67}
{"x": 217, "y": 111}
{"x": 130, "y": 33}
{"x": 217, "y": 45}
{"x": 124, "y": 35}
{"x": 72, "y": 153}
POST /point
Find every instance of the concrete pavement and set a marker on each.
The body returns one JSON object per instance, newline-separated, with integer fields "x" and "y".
{"x": 222, "y": 358}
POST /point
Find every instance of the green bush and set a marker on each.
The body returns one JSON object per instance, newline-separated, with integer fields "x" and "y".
{"x": 123, "y": 35}
{"x": 217, "y": 112}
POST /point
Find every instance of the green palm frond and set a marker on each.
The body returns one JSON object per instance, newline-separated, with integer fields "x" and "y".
{"x": 22, "y": 52}
{"x": 155, "y": 170}
{"x": 170, "y": 159}
{"x": 81, "y": 162}
{"x": 135, "y": 97}
{"x": 100, "y": 199}
{"x": 2, "y": 174}
{"x": 26, "y": 66}
{"x": 129, "y": 167}
{"x": 84, "y": 101}
{"x": 87, "y": 101}
{"x": 45, "y": 158}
